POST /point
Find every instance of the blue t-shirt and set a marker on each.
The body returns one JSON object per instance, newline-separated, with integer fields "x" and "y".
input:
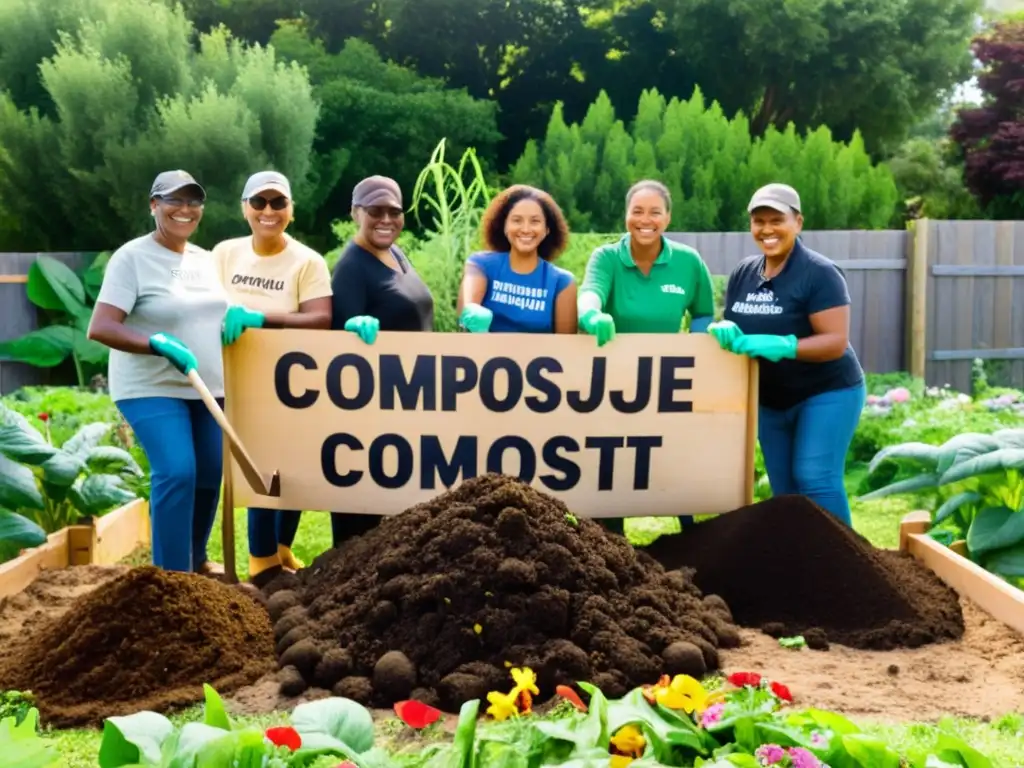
{"x": 782, "y": 305}
{"x": 520, "y": 303}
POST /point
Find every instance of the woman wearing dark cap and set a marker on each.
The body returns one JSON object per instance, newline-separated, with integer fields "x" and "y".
{"x": 160, "y": 310}
{"x": 514, "y": 287}
{"x": 376, "y": 289}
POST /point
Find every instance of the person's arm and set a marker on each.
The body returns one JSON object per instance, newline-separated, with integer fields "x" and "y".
{"x": 473, "y": 316}
{"x": 118, "y": 294}
{"x": 566, "y": 317}
{"x": 702, "y": 309}
{"x": 830, "y": 338}
{"x": 348, "y": 299}
{"x": 597, "y": 284}
{"x": 315, "y": 300}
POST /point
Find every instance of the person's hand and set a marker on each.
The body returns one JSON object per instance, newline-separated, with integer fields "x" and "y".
{"x": 476, "y": 319}
{"x": 364, "y": 326}
{"x": 175, "y": 351}
{"x": 725, "y": 332}
{"x": 772, "y": 348}
{"x": 237, "y": 319}
{"x": 599, "y": 324}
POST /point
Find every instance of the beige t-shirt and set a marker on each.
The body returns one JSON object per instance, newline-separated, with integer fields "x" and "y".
{"x": 165, "y": 291}
{"x": 278, "y": 283}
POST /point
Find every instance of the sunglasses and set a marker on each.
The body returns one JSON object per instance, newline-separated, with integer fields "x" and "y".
{"x": 380, "y": 211}
{"x": 179, "y": 202}
{"x": 258, "y": 202}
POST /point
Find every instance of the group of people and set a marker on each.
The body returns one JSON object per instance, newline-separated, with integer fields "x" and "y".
{"x": 167, "y": 307}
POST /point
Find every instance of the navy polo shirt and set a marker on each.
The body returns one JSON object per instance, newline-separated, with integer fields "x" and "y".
{"x": 781, "y": 306}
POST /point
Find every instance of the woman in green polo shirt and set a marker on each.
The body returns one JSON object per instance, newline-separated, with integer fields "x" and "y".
{"x": 644, "y": 282}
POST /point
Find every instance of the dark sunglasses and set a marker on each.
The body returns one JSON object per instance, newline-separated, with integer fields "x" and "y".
{"x": 258, "y": 202}
{"x": 380, "y": 211}
{"x": 178, "y": 202}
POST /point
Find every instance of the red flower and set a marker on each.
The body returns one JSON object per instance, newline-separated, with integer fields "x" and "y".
{"x": 416, "y": 714}
{"x": 346, "y": 764}
{"x": 284, "y": 737}
{"x": 741, "y": 679}
{"x": 44, "y": 417}
{"x": 781, "y": 691}
{"x": 571, "y": 696}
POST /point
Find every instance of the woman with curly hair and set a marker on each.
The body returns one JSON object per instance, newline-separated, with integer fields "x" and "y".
{"x": 513, "y": 287}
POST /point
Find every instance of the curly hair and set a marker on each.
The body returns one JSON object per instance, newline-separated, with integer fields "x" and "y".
{"x": 493, "y": 222}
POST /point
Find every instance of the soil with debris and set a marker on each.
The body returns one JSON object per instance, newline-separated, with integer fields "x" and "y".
{"x": 788, "y": 567}
{"x": 144, "y": 639}
{"x": 438, "y": 602}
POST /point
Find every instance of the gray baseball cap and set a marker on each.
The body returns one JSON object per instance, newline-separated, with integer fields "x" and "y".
{"x": 375, "y": 190}
{"x": 171, "y": 181}
{"x": 781, "y": 197}
{"x": 267, "y": 180}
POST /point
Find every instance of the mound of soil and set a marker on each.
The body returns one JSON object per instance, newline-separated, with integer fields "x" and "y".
{"x": 439, "y": 601}
{"x": 788, "y": 567}
{"x": 147, "y": 639}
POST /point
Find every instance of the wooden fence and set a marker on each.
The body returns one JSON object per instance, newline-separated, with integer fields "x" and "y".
{"x": 928, "y": 300}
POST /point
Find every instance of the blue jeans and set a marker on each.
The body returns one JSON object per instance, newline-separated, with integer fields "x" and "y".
{"x": 184, "y": 446}
{"x": 270, "y": 527}
{"x": 805, "y": 447}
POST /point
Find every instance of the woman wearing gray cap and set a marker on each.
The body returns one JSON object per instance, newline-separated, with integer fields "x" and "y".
{"x": 376, "y": 288}
{"x": 273, "y": 281}
{"x": 160, "y": 310}
{"x": 790, "y": 308}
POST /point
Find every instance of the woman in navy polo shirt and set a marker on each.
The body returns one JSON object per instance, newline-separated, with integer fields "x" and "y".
{"x": 790, "y": 307}
{"x": 513, "y": 287}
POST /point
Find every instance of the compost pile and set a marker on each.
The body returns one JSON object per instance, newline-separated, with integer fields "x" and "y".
{"x": 439, "y": 601}
{"x": 788, "y": 567}
{"x": 148, "y": 639}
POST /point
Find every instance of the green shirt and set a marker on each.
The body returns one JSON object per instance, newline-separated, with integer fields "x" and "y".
{"x": 652, "y": 303}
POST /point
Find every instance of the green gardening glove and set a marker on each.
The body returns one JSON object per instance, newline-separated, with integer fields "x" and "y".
{"x": 364, "y": 326}
{"x": 599, "y": 324}
{"x": 476, "y": 319}
{"x": 237, "y": 319}
{"x": 175, "y": 351}
{"x": 725, "y": 332}
{"x": 772, "y": 348}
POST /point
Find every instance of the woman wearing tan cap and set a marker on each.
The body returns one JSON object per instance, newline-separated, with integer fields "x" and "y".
{"x": 376, "y": 289}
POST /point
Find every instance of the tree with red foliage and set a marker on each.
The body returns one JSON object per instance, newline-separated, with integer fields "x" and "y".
{"x": 991, "y": 137}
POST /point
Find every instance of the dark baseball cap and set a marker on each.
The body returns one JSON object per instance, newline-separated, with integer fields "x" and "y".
{"x": 171, "y": 181}
{"x": 375, "y": 190}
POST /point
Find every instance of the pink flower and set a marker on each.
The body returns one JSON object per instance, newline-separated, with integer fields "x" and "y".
{"x": 712, "y": 714}
{"x": 898, "y": 395}
{"x": 801, "y": 758}
{"x": 819, "y": 740}
{"x": 770, "y": 754}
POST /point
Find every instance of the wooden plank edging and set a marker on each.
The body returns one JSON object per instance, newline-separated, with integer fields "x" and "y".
{"x": 18, "y": 573}
{"x": 1001, "y": 600}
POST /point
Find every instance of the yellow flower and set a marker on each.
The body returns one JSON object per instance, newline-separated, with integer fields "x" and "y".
{"x": 620, "y": 761}
{"x": 685, "y": 693}
{"x": 629, "y": 741}
{"x": 477, "y": 628}
{"x": 503, "y": 705}
{"x": 525, "y": 680}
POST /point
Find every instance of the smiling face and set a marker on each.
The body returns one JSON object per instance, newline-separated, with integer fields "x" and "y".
{"x": 774, "y": 231}
{"x": 178, "y": 214}
{"x": 380, "y": 224}
{"x": 647, "y": 217}
{"x": 269, "y": 213}
{"x": 525, "y": 226}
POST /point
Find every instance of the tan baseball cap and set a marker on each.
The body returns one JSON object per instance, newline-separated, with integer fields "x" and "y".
{"x": 781, "y": 197}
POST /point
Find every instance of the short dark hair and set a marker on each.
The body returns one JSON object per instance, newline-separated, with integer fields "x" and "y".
{"x": 493, "y": 221}
{"x": 652, "y": 185}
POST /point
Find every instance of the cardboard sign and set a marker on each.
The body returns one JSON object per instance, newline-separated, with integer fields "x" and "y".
{"x": 649, "y": 424}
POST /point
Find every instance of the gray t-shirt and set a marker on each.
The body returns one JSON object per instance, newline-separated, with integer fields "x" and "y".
{"x": 164, "y": 291}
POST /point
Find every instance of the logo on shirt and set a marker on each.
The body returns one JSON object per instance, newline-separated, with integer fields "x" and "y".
{"x": 263, "y": 283}
{"x": 757, "y": 303}
{"x": 522, "y": 296}
{"x": 190, "y": 276}
{"x": 679, "y": 290}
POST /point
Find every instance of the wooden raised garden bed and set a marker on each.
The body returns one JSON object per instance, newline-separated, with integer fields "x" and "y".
{"x": 1000, "y": 600}
{"x": 104, "y": 541}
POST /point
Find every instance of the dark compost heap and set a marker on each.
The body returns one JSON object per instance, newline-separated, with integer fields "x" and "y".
{"x": 146, "y": 640}
{"x": 437, "y": 602}
{"x": 788, "y": 567}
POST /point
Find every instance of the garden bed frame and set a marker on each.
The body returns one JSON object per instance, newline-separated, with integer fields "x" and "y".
{"x": 106, "y": 540}
{"x": 1001, "y": 600}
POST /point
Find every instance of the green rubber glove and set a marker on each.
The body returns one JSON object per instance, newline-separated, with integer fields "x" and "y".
{"x": 725, "y": 332}
{"x": 237, "y": 319}
{"x": 772, "y": 348}
{"x": 364, "y": 326}
{"x": 175, "y": 351}
{"x": 599, "y": 324}
{"x": 476, "y": 319}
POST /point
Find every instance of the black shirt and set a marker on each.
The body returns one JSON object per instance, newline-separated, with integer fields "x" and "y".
{"x": 781, "y": 306}
{"x": 364, "y": 285}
